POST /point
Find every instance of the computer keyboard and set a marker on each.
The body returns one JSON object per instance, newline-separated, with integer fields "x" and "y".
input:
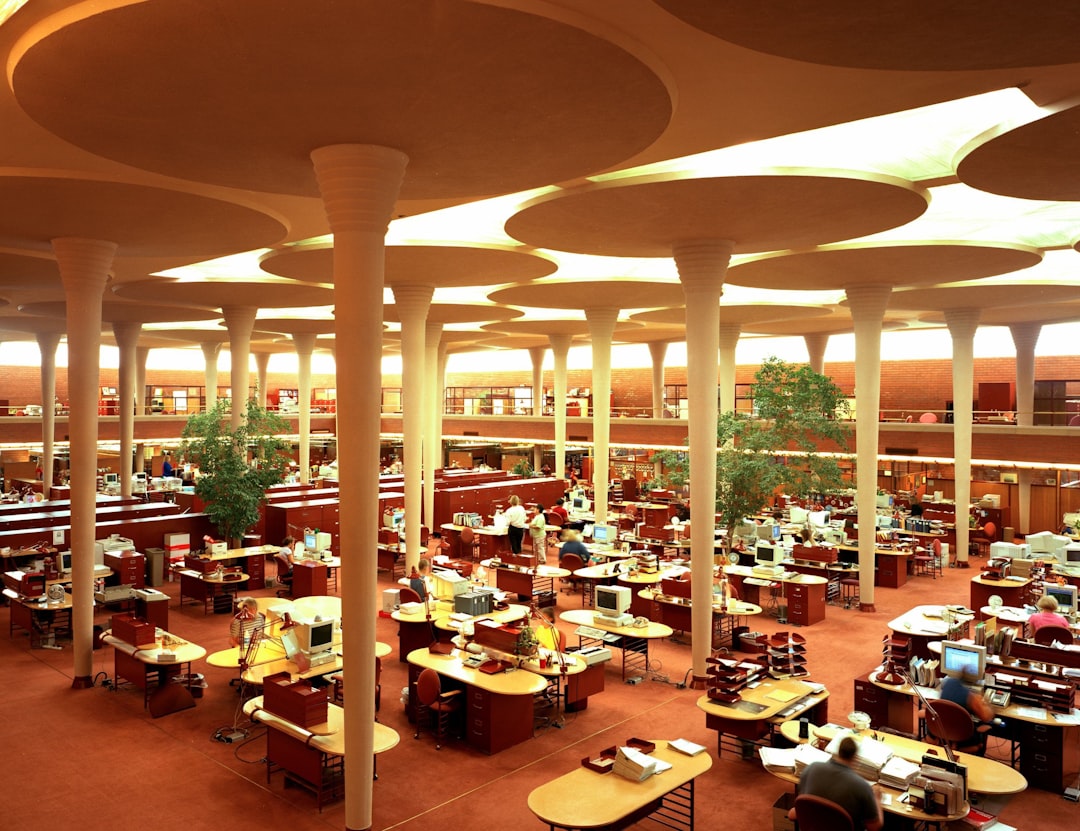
{"x": 756, "y": 581}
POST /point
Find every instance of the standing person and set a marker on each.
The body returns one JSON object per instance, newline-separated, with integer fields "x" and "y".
{"x": 516, "y": 520}
{"x": 836, "y": 781}
{"x": 538, "y": 534}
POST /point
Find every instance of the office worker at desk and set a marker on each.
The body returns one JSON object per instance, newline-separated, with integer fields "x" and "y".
{"x": 836, "y": 781}
{"x": 572, "y": 544}
{"x": 963, "y": 690}
{"x": 419, "y": 579}
{"x": 1047, "y": 615}
{"x": 247, "y": 620}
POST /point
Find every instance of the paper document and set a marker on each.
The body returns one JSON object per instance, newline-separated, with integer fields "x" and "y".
{"x": 782, "y": 695}
{"x": 777, "y": 757}
{"x": 686, "y": 746}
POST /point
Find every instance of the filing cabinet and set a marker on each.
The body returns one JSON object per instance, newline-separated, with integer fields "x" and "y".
{"x": 128, "y": 567}
{"x": 805, "y": 603}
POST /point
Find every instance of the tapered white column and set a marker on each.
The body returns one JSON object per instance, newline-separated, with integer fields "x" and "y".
{"x": 1025, "y": 338}
{"x": 127, "y": 337}
{"x": 305, "y": 345}
{"x": 601, "y": 328}
{"x": 412, "y": 304}
{"x": 816, "y": 344}
{"x": 657, "y": 352}
{"x": 359, "y": 185}
{"x": 536, "y": 356}
{"x": 868, "y": 304}
{"x": 729, "y": 340}
{"x": 210, "y": 353}
{"x": 262, "y": 370}
{"x": 142, "y": 355}
{"x": 84, "y": 270}
{"x": 433, "y": 378}
{"x": 240, "y": 321}
{"x": 702, "y": 266}
{"x": 560, "y": 347}
{"x": 47, "y": 344}
{"x": 962, "y": 325}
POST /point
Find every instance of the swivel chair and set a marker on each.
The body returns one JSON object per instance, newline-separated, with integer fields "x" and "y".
{"x": 1046, "y": 635}
{"x": 431, "y": 700}
{"x": 981, "y": 540}
{"x": 815, "y": 813}
{"x": 572, "y": 562}
{"x": 953, "y": 725}
{"x": 470, "y": 545}
{"x": 408, "y": 595}
{"x": 284, "y": 575}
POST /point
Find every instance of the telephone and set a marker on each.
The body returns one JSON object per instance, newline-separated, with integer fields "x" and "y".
{"x": 997, "y": 698}
{"x": 640, "y": 622}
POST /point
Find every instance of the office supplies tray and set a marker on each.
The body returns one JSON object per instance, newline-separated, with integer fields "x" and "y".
{"x": 492, "y": 667}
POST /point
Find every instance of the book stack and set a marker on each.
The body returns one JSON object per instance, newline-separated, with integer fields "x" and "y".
{"x": 870, "y": 757}
{"x": 924, "y": 672}
{"x": 633, "y": 764}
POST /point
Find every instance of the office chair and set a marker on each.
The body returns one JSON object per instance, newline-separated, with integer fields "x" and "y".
{"x": 470, "y": 545}
{"x": 555, "y": 523}
{"x": 339, "y": 686}
{"x": 1046, "y": 635}
{"x": 815, "y": 813}
{"x": 953, "y": 725}
{"x": 572, "y": 562}
{"x": 980, "y": 545}
{"x": 430, "y": 699}
{"x": 284, "y": 575}
{"x": 408, "y": 595}
{"x": 928, "y": 418}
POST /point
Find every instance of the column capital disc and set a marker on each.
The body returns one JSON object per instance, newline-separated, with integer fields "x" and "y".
{"x": 359, "y": 184}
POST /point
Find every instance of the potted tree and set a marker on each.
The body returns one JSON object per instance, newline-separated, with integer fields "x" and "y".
{"x": 236, "y": 465}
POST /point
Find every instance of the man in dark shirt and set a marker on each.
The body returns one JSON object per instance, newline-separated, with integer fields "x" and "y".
{"x": 836, "y": 781}
{"x": 573, "y": 545}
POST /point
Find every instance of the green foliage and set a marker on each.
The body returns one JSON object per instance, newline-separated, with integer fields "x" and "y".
{"x": 796, "y": 409}
{"x": 236, "y": 465}
{"x": 674, "y": 469}
{"x": 522, "y": 468}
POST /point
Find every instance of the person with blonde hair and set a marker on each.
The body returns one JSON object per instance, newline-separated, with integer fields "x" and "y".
{"x": 516, "y": 520}
{"x": 1047, "y": 615}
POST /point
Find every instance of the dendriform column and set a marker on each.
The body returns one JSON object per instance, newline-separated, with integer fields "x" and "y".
{"x": 657, "y": 352}
{"x": 560, "y": 348}
{"x": 127, "y": 337}
{"x": 962, "y": 324}
{"x": 816, "y": 344}
{"x": 210, "y": 359}
{"x": 240, "y": 321}
{"x": 305, "y": 345}
{"x": 47, "y": 345}
{"x": 601, "y": 321}
{"x": 1025, "y": 338}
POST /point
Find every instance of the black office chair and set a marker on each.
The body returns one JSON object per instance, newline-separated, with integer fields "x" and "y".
{"x": 815, "y": 813}
{"x": 284, "y": 575}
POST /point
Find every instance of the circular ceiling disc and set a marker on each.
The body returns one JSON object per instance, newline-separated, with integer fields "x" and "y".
{"x": 895, "y": 34}
{"x": 482, "y": 99}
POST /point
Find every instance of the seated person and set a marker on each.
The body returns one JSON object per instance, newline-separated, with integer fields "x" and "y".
{"x": 166, "y": 466}
{"x": 560, "y": 509}
{"x": 916, "y": 509}
{"x": 1047, "y": 615}
{"x": 837, "y": 781}
{"x": 247, "y": 620}
{"x": 287, "y": 549}
{"x": 572, "y": 544}
{"x": 962, "y": 690}
{"x": 420, "y": 580}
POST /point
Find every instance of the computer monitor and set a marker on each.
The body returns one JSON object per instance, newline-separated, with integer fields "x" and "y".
{"x": 611, "y": 601}
{"x": 777, "y": 532}
{"x": 818, "y": 519}
{"x": 604, "y": 534}
{"x": 1072, "y": 554}
{"x": 63, "y": 561}
{"x": 309, "y": 541}
{"x": 111, "y": 479}
{"x": 746, "y": 529}
{"x": 312, "y": 636}
{"x": 765, "y": 532}
{"x": 957, "y": 657}
{"x": 1065, "y": 597}
{"x": 578, "y": 503}
{"x": 797, "y": 515}
{"x": 448, "y": 583}
{"x": 768, "y": 554}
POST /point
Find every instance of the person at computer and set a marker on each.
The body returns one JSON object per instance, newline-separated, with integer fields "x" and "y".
{"x": 1047, "y": 615}
{"x": 420, "y": 580}
{"x": 572, "y": 544}
{"x": 559, "y": 509}
{"x": 963, "y": 689}
{"x": 166, "y": 466}
{"x": 247, "y": 620}
{"x": 516, "y": 520}
{"x": 837, "y": 781}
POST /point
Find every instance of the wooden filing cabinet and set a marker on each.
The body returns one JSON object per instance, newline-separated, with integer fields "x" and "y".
{"x": 891, "y": 570}
{"x": 128, "y": 567}
{"x": 885, "y": 708}
{"x": 255, "y": 568}
{"x": 1042, "y": 754}
{"x": 309, "y": 579}
{"x": 805, "y": 603}
{"x": 495, "y": 722}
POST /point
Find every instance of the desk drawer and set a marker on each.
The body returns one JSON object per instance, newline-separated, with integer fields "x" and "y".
{"x": 478, "y": 717}
{"x": 796, "y": 593}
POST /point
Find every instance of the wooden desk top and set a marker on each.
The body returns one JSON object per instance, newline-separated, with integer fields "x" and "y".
{"x": 924, "y": 620}
{"x": 985, "y": 776}
{"x": 584, "y": 798}
{"x": 485, "y": 530}
{"x": 599, "y": 571}
{"x": 538, "y": 571}
{"x": 805, "y": 579}
{"x": 584, "y": 617}
{"x": 333, "y": 742}
{"x": 574, "y": 665}
{"x": 229, "y": 658}
{"x": 185, "y": 651}
{"x": 650, "y": 578}
{"x": 990, "y": 582}
{"x": 514, "y": 611}
{"x": 323, "y": 605}
{"x": 223, "y": 579}
{"x": 741, "y": 608}
{"x": 775, "y": 695}
{"x": 514, "y": 682}
{"x": 257, "y": 672}
{"x": 45, "y": 606}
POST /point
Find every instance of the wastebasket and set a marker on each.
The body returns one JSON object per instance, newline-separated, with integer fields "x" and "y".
{"x": 1008, "y": 534}
{"x": 155, "y": 566}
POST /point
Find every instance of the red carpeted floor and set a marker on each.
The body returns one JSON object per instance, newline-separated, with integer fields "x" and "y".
{"x": 95, "y": 759}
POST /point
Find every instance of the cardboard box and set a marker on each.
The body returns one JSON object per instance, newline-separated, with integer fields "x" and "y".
{"x": 219, "y": 548}
{"x": 783, "y": 804}
{"x": 297, "y": 701}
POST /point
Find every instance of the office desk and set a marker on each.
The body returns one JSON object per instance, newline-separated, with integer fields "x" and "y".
{"x": 498, "y": 708}
{"x": 1011, "y": 592}
{"x": 149, "y": 672}
{"x": 575, "y": 686}
{"x": 584, "y": 798}
{"x": 309, "y": 578}
{"x": 208, "y": 588}
{"x": 315, "y": 762}
{"x": 603, "y": 574}
{"x": 761, "y": 709}
{"x": 676, "y": 613}
{"x": 632, "y": 640}
{"x": 923, "y": 624}
{"x": 638, "y": 580}
{"x": 984, "y": 776}
{"x": 491, "y": 542}
{"x": 525, "y": 581}
{"x": 317, "y": 605}
{"x": 805, "y": 593}
{"x": 512, "y": 613}
{"x": 39, "y": 619}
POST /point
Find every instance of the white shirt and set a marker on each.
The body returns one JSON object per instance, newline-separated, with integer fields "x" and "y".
{"x": 516, "y": 516}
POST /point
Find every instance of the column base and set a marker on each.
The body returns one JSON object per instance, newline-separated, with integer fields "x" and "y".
{"x": 699, "y": 682}
{"x": 867, "y": 607}
{"x": 82, "y": 682}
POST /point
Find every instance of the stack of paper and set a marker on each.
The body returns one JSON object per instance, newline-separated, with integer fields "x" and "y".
{"x": 686, "y": 746}
{"x": 633, "y": 764}
{"x": 806, "y": 755}
{"x": 778, "y": 757}
{"x": 898, "y": 773}
{"x": 870, "y": 757}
